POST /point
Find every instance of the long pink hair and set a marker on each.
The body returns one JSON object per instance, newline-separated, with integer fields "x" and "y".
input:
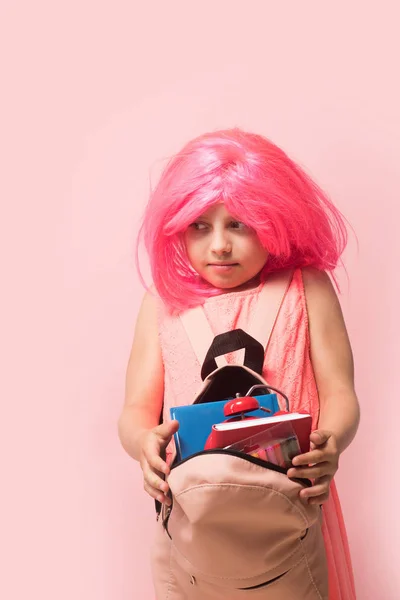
{"x": 261, "y": 186}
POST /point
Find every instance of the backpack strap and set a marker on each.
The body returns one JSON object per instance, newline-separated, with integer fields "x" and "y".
{"x": 200, "y": 334}
{"x": 231, "y": 341}
{"x": 268, "y": 306}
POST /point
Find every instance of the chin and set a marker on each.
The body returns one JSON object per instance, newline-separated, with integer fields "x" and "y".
{"x": 225, "y": 285}
{"x": 234, "y": 284}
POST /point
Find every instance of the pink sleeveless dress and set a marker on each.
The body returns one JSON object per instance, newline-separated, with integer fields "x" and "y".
{"x": 287, "y": 366}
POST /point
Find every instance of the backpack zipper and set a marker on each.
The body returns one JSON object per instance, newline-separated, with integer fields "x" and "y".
{"x": 252, "y": 459}
{"x": 243, "y": 456}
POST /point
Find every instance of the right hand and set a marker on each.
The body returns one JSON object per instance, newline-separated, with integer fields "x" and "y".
{"x": 152, "y": 452}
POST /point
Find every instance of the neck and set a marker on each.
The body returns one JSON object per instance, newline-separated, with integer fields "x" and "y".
{"x": 248, "y": 285}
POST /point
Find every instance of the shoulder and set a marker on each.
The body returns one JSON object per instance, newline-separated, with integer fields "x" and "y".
{"x": 154, "y": 313}
{"x": 149, "y": 309}
{"x": 149, "y": 303}
{"x": 323, "y": 306}
{"x": 151, "y": 300}
{"x": 315, "y": 278}
{"x": 312, "y": 286}
{"x": 318, "y": 287}
{"x": 146, "y": 336}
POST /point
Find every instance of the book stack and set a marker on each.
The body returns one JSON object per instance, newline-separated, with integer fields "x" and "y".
{"x": 276, "y": 438}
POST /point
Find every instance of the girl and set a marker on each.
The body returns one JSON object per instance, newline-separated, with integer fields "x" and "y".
{"x": 230, "y": 209}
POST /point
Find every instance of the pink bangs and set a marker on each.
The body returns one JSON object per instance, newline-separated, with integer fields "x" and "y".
{"x": 261, "y": 186}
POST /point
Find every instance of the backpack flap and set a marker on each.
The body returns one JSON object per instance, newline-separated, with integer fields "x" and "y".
{"x": 238, "y": 522}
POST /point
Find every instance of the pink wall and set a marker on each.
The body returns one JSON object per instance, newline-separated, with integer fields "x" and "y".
{"x": 95, "y": 95}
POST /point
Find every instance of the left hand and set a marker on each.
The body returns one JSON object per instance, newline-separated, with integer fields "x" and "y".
{"x": 320, "y": 464}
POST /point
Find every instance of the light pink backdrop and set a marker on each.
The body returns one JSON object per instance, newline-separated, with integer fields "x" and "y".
{"x": 95, "y": 95}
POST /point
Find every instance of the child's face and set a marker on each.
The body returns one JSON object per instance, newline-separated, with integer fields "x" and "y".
{"x": 223, "y": 250}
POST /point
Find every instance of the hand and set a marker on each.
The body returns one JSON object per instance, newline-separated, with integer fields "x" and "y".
{"x": 320, "y": 464}
{"x": 152, "y": 450}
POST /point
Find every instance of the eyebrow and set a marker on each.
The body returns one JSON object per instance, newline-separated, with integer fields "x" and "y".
{"x": 227, "y": 219}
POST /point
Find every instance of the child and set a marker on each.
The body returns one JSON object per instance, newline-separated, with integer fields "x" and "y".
{"x": 230, "y": 209}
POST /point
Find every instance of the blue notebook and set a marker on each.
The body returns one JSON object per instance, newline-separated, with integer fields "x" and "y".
{"x": 196, "y": 421}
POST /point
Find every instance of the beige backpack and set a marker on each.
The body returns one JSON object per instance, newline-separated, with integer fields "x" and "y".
{"x": 237, "y": 528}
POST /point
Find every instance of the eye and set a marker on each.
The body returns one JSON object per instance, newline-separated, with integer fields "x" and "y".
{"x": 198, "y": 226}
{"x": 237, "y": 225}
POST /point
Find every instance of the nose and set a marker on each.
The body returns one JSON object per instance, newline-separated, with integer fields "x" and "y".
{"x": 221, "y": 244}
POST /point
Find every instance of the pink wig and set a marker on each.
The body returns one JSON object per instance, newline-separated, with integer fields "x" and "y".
{"x": 261, "y": 186}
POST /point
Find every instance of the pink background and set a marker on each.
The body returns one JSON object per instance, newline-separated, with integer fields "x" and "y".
{"x": 95, "y": 95}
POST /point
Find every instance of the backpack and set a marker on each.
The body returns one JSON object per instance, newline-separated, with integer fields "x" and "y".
{"x": 237, "y": 528}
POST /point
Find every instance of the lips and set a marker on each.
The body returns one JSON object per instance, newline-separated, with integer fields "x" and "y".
{"x": 222, "y": 268}
{"x": 221, "y": 264}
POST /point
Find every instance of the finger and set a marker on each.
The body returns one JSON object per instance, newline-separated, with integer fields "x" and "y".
{"x": 166, "y": 430}
{"x": 153, "y": 492}
{"x": 154, "y": 480}
{"x": 320, "y": 488}
{"x": 320, "y": 437}
{"x": 152, "y": 451}
{"x": 318, "y": 499}
{"x": 314, "y": 472}
{"x": 310, "y": 458}
{"x": 156, "y": 494}
{"x": 155, "y": 461}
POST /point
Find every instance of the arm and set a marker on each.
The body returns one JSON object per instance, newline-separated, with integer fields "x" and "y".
{"x": 144, "y": 384}
{"x": 332, "y": 361}
{"x": 139, "y": 432}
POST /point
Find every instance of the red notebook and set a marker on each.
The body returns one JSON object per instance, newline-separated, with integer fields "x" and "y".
{"x": 226, "y": 434}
